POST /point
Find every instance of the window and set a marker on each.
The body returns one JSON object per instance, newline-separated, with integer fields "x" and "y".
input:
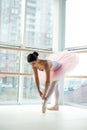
{"x": 8, "y": 89}
{"x": 9, "y": 61}
{"x": 75, "y": 86}
{"x": 76, "y": 24}
{"x": 75, "y": 91}
{"x": 9, "y": 15}
{"x": 41, "y": 15}
{"x": 22, "y": 27}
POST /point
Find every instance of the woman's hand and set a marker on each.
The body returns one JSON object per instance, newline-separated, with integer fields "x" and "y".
{"x": 41, "y": 94}
{"x": 43, "y": 97}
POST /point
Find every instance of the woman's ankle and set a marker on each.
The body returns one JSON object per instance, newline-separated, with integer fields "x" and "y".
{"x": 54, "y": 107}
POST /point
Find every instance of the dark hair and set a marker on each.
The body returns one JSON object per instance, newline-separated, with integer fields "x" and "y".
{"x": 32, "y": 56}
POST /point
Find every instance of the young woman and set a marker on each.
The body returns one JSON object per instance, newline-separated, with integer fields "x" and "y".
{"x": 49, "y": 71}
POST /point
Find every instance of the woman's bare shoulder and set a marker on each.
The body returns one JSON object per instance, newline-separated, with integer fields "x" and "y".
{"x": 45, "y": 64}
{"x": 43, "y": 61}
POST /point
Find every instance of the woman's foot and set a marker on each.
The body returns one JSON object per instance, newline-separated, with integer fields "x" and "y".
{"x": 44, "y": 106}
{"x": 54, "y": 108}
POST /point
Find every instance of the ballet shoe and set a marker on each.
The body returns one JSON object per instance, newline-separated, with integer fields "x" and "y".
{"x": 43, "y": 109}
{"x": 44, "y": 106}
{"x": 54, "y": 108}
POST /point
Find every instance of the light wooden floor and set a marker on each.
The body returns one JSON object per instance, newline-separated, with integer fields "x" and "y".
{"x": 30, "y": 117}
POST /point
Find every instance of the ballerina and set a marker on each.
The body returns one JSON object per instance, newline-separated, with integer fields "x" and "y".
{"x": 49, "y": 71}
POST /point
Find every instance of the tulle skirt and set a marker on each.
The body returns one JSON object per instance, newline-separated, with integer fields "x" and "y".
{"x": 68, "y": 61}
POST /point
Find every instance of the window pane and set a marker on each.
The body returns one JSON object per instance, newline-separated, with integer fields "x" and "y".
{"x": 76, "y": 23}
{"x": 39, "y": 24}
{"x": 8, "y": 89}
{"x": 9, "y": 60}
{"x": 75, "y": 91}
{"x": 10, "y": 21}
{"x": 30, "y": 93}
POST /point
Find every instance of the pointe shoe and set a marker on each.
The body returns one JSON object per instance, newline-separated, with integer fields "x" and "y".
{"x": 43, "y": 109}
{"x": 44, "y": 106}
{"x": 54, "y": 108}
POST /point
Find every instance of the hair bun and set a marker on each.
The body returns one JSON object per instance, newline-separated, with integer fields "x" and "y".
{"x": 35, "y": 53}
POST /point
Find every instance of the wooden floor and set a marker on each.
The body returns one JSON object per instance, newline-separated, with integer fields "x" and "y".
{"x": 30, "y": 117}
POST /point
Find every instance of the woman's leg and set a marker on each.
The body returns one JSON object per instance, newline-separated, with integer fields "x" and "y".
{"x": 56, "y": 94}
{"x": 56, "y": 97}
{"x": 49, "y": 93}
{"x": 51, "y": 89}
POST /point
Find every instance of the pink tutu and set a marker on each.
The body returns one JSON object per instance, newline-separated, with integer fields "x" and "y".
{"x": 69, "y": 60}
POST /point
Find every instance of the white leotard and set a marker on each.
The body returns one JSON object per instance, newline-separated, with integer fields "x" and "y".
{"x": 55, "y": 65}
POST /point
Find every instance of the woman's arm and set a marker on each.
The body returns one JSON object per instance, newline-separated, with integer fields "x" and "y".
{"x": 47, "y": 83}
{"x": 37, "y": 80}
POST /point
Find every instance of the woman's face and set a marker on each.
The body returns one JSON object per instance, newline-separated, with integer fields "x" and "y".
{"x": 33, "y": 63}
